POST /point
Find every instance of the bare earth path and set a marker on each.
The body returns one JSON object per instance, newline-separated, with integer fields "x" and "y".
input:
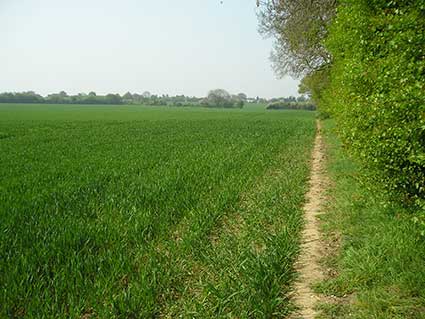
{"x": 308, "y": 265}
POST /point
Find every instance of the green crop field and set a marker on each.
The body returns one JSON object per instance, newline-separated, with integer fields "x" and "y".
{"x": 135, "y": 212}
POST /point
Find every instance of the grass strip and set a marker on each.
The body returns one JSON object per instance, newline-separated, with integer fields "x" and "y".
{"x": 377, "y": 269}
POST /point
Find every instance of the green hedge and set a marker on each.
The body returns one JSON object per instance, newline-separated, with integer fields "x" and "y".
{"x": 377, "y": 91}
{"x": 281, "y": 105}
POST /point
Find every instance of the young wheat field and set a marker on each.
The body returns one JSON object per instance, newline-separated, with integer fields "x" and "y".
{"x": 139, "y": 212}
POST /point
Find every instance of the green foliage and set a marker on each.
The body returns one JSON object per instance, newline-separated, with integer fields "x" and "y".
{"x": 234, "y": 101}
{"x": 60, "y": 98}
{"x": 299, "y": 28}
{"x": 377, "y": 87}
{"x": 291, "y": 106}
{"x": 22, "y": 97}
{"x": 222, "y": 99}
{"x": 314, "y": 85}
{"x": 139, "y": 212}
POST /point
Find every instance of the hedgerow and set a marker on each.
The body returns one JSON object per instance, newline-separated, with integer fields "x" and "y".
{"x": 376, "y": 91}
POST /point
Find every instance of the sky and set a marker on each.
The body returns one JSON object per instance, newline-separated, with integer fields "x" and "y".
{"x": 163, "y": 46}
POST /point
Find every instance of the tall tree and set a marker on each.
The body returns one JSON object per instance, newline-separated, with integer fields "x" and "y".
{"x": 299, "y": 28}
{"x": 219, "y": 97}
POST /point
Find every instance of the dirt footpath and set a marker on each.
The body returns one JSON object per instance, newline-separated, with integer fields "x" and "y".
{"x": 308, "y": 265}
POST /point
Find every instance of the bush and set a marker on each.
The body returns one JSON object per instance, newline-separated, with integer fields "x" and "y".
{"x": 376, "y": 90}
{"x": 280, "y": 105}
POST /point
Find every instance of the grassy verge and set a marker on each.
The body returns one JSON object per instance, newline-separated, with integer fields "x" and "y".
{"x": 379, "y": 268}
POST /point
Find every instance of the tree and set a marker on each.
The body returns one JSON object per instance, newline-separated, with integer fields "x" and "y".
{"x": 301, "y": 99}
{"x": 299, "y": 28}
{"x": 219, "y": 98}
{"x": 146, "y": 95}
{"x": 314, "y": 84}
{"x": 242, "y": 96}
{"x": 113, "y": 99}
{"x": 91, "y": 98}
{"x": 127, "y": 96}
{"x": 60, "y": 97}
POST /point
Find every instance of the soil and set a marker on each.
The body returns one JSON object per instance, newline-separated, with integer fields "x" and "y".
{"x": 308, "y": 265}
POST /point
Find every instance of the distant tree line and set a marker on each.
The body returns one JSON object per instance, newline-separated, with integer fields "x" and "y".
{"x": 21, "y": 97}
{"x": 217, "y": 98}
{"x": 92, "y": 98}
{"x": 60, "y": 98}
{"x": 291, "y": 103}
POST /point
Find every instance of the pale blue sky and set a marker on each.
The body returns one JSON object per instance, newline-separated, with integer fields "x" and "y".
{"x": 170, "y": 46}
